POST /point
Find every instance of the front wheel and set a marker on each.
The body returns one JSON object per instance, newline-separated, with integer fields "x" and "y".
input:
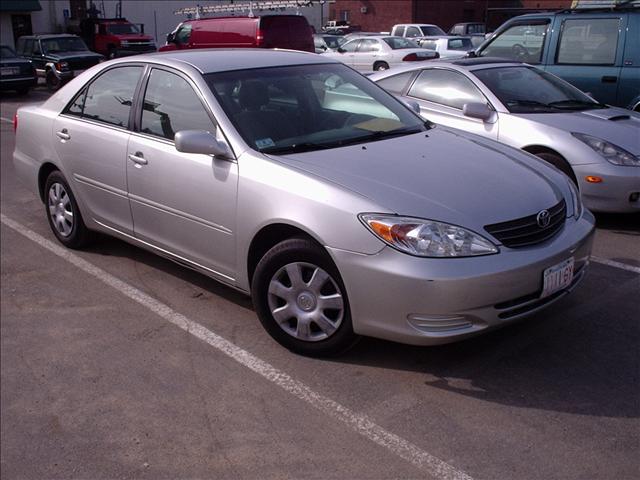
{"x": 63, "y": 213}
{"x": 381, "y": 66}
{"x": 53, "y": 82}
{"x": 560, "y": 163}
{"x": 301, "y": 301}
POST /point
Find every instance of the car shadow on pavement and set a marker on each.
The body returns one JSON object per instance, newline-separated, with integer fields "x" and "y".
{"x": 623, "y": 223}
{"x": 580, "y": 356}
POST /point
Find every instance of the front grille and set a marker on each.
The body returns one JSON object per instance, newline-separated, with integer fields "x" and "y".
{"x": 526, "y": 231}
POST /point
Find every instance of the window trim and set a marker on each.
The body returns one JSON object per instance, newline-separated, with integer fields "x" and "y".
{"x": 533, "y": 22}
{"x": 561, "y": 33}
{"x": 65, "y": 110}
{"x": 412, "y": 83}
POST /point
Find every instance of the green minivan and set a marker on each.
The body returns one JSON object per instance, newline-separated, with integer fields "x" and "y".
{"x": 597, "y": 50}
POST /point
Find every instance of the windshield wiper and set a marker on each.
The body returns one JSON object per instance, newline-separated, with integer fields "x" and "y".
{"x": 570, "y": 104}
{"x": 527, "y": 103}
{"x": 297, "y": 147}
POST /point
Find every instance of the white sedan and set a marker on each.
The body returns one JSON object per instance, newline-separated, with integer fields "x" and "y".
{"x": 448, "y": 47}
{"x": 380, "y": 53}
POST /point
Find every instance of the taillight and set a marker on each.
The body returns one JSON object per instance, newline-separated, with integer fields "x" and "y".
{"x": 259, "y": 38}
{"x": 15, "y": 122}
{"x": 412, "y": 57}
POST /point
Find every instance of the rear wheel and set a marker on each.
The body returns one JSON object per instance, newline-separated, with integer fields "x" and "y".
{"x": 560, "y": 163}
{"x": 301, "y": 301}
{"x": 63, "y": 213}
{"x": 380, "y": 66}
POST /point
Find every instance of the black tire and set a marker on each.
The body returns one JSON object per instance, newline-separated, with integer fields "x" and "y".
{"x": 79, "y": 235}
{"x": 380, "y": 66}
{"x": 22, "y": 90}
{"x": 294, "y": 252}
{"x": 53, "y": 82}
{"x": 560, "y": 163}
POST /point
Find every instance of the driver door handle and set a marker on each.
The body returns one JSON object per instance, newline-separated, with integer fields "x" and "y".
{"x": 138, "y": 158}
{"x": 63, "y": 134}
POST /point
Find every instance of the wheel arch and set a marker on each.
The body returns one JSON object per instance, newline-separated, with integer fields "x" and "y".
{"x": 536, "y": 149}
{"x": 44, "y": 172}
{"x": 269, "y": 236}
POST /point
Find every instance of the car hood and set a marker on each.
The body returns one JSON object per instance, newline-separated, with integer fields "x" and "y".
{"x": 616, "y": 125}
{"x": 8, "y": 62}
{"x": 73, "y": 55}
{"x": 442, "y": 174}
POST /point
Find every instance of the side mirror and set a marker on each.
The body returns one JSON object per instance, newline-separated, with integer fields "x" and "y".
{"x": 199, "y": 141}
{"x": 472, "y": 54}
{"x": 171, "y": 37}
{"x": 413, "y": 105}
{"x": 479, "y": 110}
{"x": 341, "y": 50}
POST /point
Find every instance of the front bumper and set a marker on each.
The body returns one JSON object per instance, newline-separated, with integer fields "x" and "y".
{"x": 425, "y": 301}
{"x": 18, "y": 82}
{"x": 614, "y": 193}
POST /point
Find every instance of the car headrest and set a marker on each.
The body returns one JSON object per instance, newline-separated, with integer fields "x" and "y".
{"x": 253, "y": 94}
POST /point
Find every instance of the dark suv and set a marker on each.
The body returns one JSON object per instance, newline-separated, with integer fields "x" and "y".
{"x": 597, "y": 49}
{"x": 57, "y": 58}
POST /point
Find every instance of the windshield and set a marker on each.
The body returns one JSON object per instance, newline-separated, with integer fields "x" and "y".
{"x": 123, "y": 29}
{"x": 398, "y": 43}
{"x": 309, "y": 107}
{"x": 63, "y": 44}
{"x": 6, "y": 52}
{"x": 476, "y": 28}
{"x": 431, "y": 31}
{"x": 544, "y": 93}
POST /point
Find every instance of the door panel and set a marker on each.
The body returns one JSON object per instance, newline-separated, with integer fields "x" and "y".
{"x": 185, "y": 203}
{"x": 588, "y": 54}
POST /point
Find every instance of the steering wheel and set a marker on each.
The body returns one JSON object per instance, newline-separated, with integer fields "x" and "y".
{"x": 519, "y": 52}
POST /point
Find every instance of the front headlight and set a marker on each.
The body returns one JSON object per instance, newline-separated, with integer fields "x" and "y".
{"x": 62, "y": 66}
{"x": 612, "y": 153}
{"x": 427, "y": 238}
{"x": 575, "y": 199}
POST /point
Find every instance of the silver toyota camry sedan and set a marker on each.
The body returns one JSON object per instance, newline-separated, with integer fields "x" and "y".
{"x": 340, "y": 219}
{"x": 597, "y": 146}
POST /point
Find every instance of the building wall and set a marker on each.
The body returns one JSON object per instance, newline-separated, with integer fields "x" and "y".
{"x": 6, "y": 33}
{"x": 380, "y": 15}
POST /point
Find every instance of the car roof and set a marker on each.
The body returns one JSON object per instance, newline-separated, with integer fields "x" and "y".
{"x": 460, "y": 65}
{"x": 214, "y": 60}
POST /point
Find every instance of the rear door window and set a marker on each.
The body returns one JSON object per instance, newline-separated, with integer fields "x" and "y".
{"x": 522, "y": 42}
{"x": 109, "y": 98}
{"x": 589, "y": 41}
{"x": 445, "y": 87}
{"x": 368, "y": 46}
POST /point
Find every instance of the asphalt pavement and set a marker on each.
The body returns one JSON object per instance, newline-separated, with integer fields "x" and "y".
{"x": 116, "y": 363}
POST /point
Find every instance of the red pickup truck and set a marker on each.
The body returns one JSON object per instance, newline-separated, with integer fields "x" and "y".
{"x": 116, "y": 37}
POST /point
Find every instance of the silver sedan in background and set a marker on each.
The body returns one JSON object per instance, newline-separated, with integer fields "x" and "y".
{"x": 375, "y": 53}
{"x": 340, "y": 219}
{"x": 597, "y": 146}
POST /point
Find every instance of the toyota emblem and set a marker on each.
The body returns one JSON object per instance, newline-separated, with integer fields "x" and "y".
{"x": 543, "y": 218}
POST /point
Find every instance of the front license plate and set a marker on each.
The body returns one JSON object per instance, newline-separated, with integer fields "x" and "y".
{"x": 9, "y": 71}
{"x": 557, "y": 277}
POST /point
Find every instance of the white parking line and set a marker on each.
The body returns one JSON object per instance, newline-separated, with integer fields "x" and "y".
{"x": 356, "y": 421}
{"x": 613, "y": 263}
{"x": 6, "y": 120}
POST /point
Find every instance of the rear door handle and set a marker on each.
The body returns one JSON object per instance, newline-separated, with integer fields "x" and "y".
{"x": 63, "y": 134}
{"x": 609, "y": 79}
{"x": 138, "y": 158}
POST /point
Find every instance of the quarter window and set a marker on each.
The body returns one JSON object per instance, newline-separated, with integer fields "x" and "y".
{"x": 523, "y": 42}
{"x": 396, "y": 83}
{"x": 171, "y": 105}
{"x": 108, "y": 99}
{"x": 446, "y": 88}
{"x": 589, "y": 41}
